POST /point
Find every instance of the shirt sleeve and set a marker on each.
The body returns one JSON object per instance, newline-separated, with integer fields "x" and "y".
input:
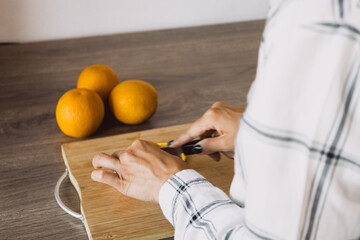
{"x": 199, "y": 210}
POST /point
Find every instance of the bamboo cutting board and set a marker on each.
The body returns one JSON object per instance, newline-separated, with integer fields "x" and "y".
{"x": 109, "y": 214}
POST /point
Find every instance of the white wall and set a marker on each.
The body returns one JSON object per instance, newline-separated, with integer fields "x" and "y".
{"x": 37, "y": 20}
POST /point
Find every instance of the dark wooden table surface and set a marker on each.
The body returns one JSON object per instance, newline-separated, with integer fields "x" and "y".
{"x": 191, "y": 68}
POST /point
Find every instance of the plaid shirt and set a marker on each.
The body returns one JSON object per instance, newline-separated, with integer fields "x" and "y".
{"x": 297, "y": 156}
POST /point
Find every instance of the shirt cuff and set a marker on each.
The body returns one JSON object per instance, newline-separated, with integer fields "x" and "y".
{"x": 172, "y": 190}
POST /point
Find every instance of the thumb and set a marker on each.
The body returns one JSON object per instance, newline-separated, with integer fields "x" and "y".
{"x": 213, "y": 145}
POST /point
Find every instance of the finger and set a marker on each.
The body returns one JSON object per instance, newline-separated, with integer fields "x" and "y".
{"x": 106, "y": 177}
{"x": 213, "y": 145}
{"x": 147, "y": 153}
{"x": 219, "y": 104}
{"x": 117, "y": 154}
{"x": 215, "y": 156}
{"x": 134, "y": 164}
{"x": 225, "y": 105}
{"x": 229, "y": 154}
{"x": 103, "y": 160}
{"x": 198, "y": 128}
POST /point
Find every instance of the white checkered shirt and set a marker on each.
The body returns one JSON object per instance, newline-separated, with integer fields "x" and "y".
{"x": 297, "y": 156}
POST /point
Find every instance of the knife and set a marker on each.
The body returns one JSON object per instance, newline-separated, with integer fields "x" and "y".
{"x": 182, "y": 151}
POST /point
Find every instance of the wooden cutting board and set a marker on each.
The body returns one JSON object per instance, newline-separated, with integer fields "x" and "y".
{"x": 109, "y": 214}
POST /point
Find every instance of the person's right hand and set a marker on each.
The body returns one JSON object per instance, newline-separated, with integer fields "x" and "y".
{"x": 218, "y": 126}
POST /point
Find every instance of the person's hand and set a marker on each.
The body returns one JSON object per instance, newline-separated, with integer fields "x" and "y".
{"x": 137, "y": 172}
{"x": 218, "y": 126}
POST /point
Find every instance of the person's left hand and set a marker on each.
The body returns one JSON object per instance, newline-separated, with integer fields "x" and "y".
{"x": 138, "y": 171}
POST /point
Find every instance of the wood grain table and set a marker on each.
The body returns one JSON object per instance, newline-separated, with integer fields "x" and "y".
{"x": 191, "y": 68}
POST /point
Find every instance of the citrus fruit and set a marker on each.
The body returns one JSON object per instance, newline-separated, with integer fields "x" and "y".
{"x": 79, "y": 112}
{"x": 153, "y": 143}
{"x": 157, "y": 144}
{"x": 99, "y": 78}
{"x": 133, "y": 101}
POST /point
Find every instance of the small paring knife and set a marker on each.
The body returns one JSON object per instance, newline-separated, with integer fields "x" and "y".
{"x": 182, "y": 152}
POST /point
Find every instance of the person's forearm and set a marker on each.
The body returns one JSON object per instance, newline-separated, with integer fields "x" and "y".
{"x": 199, "y": 210}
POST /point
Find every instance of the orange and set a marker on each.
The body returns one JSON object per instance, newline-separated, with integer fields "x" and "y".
{"x": 99, "y": 78}
{"x": 158, "y": 144}
{"x": 153, "y": 143}
{"x": 133, "y": 101}
{"x": 79, "y": 112}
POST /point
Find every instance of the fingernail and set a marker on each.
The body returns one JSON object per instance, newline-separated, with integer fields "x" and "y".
{"x": 170, "y": 142}
{"x": 196, "y": 149}
{"x": 94, "y": 176}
